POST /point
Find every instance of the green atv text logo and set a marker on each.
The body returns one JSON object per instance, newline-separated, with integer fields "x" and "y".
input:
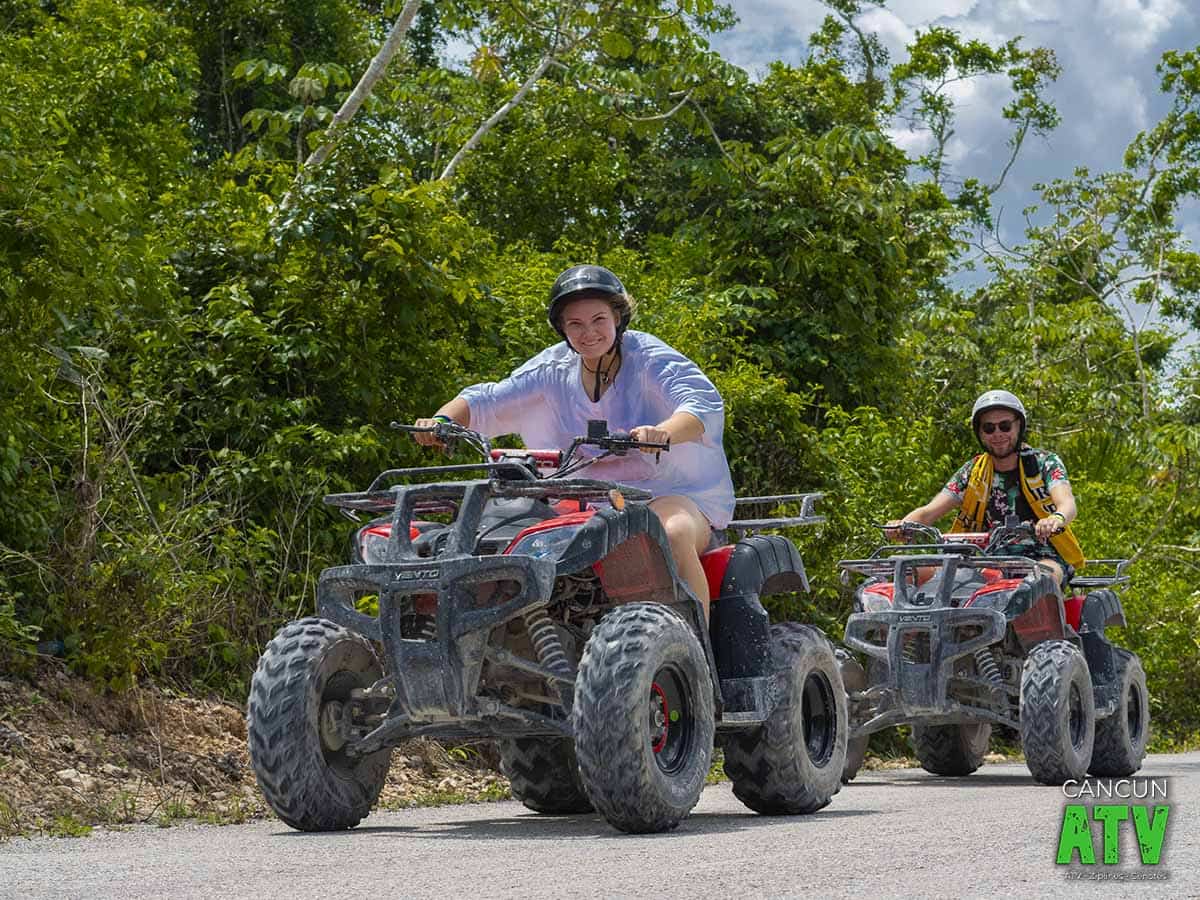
{"x": 1148, "y": 820}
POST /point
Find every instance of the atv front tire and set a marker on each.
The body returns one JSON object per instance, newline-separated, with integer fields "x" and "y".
{"x": 301, "y": 688}
{"x": 643, "y": 718}
{"x": 1058, "y": 712}
{"x": 544, "y": 774}
{"x": 793, "y": 762}
{"x": 1121, "y": 737}
{"x": 854, "y": 678}
{"x": 951, "y": 749}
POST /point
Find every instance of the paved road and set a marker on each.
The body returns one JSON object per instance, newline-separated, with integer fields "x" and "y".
{"x": 889, "y": 834}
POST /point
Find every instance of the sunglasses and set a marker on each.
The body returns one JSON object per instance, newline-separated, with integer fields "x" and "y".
{"x": 990, "y": 427}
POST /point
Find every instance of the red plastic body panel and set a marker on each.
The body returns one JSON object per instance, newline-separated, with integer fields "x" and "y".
{"x": 1041, "y": 622}
{"x": 978, "y": 538}
{"x": 1073, "y": 608}
{"x": 883, "y": 590}
{"x": 996, "y": 585}
{"x": 715, "y": 562}
{"x": 385, "y": 530}
{"x": 544, "y": 458}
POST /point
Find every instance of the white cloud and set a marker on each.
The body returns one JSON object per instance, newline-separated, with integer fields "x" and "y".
{"x": 891, "y": 29}
{"x": 929, "y": 10}
{"x": 1137, "y": 24}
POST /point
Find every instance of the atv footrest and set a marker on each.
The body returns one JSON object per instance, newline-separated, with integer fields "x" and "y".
{"x": 749, "y": 699}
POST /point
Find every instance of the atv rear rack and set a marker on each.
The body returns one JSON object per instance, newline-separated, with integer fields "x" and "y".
{"x": 1092, "y": 581}
{"x": 744, "y": 527}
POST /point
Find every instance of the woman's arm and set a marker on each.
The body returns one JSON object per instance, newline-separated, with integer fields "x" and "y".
{"x": 679, "y": 428}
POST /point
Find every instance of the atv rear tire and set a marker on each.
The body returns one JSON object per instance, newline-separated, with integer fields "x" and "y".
{"x": 301, "y": 687}
{"x": 1058, "y": 712}
{"x": 951, "y": 749}
{"x": 1121, "y": 737}
{"x": 643, "y": 718}
{"x": 544, "y": 774}
{"x": 793, "y": 762}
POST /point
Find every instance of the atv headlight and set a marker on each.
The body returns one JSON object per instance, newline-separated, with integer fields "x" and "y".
{"x": 550, "y": 542}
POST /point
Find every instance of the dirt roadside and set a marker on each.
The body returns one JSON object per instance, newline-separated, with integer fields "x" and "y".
{"x": 71, "y": 759}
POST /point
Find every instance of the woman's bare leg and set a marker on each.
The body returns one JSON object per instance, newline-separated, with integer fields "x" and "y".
{"x": 688, "y": 531}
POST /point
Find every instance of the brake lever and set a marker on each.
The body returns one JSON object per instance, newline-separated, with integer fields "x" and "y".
{"x": 621, "y": 442}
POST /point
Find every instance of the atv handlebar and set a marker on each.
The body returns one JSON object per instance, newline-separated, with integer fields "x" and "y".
{"x": 449, "y": 434}
{"x": 907, "y": 529}
{"x": 616, "y": 443}
{"x": 1011, "y": 532}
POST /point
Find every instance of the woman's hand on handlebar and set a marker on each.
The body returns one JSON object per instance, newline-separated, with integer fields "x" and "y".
{"x": 650, "y": 434}
{"x": 427, "y": 438}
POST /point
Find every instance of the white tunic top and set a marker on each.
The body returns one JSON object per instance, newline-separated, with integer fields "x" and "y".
{"x": 544, "y": 401}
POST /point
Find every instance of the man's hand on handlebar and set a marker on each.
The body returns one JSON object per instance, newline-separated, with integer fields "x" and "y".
{"x": 896, "y": 532}
{"x": 1049, "y": 526}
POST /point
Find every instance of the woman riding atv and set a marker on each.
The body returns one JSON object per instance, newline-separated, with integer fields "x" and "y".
{"x": 638, "y": 384}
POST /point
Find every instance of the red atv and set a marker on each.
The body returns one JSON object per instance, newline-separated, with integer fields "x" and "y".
{"x": 543, "y": 609}
{"x": 957, "y": 638}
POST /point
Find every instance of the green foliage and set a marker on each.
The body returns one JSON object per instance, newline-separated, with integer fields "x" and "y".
{"x": 187, "y": 363}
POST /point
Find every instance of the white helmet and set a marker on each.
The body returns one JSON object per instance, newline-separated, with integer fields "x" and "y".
{"x": 989, "y": 400}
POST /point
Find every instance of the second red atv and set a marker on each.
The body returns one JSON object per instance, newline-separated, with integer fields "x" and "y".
{"x": 957, "y": 638}
{"x": 542, "y": 609}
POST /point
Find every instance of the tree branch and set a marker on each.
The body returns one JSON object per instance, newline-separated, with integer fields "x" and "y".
{"x": 360, "y": 93}
{"x": 496, "y": 117}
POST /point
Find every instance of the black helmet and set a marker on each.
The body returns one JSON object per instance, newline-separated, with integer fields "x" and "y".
{"x": 580, "y": 280}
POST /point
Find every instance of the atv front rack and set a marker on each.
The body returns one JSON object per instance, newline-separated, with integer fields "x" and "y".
{"x": 444, "y": 497}
{"x": 901, "y": 571}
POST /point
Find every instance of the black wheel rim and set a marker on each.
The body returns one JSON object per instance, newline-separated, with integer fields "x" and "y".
{"x": 1133, "y": 713}
{"x": 1075, "y": 716}
{"x": 818, "y": 712}
{"x": 671, "y": 725}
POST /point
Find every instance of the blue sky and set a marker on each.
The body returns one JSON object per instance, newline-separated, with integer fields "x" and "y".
{"x": 1107, "y": 93}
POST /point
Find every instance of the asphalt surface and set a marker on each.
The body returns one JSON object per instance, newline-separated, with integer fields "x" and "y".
{"x": 900, "y": 833}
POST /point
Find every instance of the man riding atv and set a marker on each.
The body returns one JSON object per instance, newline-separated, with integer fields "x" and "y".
{"x": 631, "y": 379}
{"x": 1010, "y": 478}
{"x": 990, "y": 625}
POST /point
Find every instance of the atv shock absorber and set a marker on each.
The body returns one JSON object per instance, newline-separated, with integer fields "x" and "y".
{"x": 986, "y": 664}
{"x": 548, "y": 647}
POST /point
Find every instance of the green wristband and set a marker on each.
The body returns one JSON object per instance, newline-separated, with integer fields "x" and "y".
{"x": 445, "y": 420}
{"x": 1060, "y": 515}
